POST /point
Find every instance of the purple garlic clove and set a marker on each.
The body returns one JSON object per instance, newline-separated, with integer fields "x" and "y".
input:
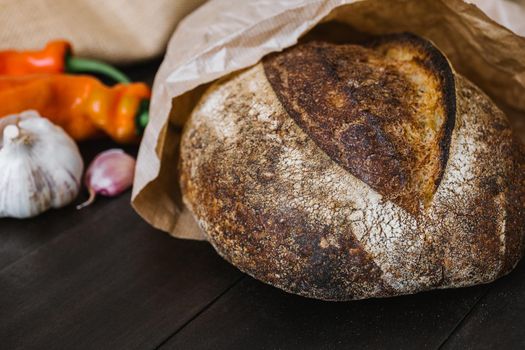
{"x": 109, "y": 174}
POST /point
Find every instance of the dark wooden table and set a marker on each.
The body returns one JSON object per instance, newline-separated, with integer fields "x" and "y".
{"x": 101, "y": 278}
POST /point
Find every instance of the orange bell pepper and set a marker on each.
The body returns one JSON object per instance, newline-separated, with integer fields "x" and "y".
{"x": 81, "y": 105}
{"x": 57, "y": 57}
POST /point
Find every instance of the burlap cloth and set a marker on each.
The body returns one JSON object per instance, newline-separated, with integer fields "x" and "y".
{"x": 118, "y": 31}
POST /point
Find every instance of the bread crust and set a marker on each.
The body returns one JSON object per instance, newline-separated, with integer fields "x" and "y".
{"x": 358, "y": 104}
{"x": 275, "y": 204}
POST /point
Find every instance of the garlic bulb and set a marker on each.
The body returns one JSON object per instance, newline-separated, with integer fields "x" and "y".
{"x": 40, "y": 166}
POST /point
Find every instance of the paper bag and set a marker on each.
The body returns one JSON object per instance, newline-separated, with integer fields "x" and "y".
{"x": 225, "y": 36}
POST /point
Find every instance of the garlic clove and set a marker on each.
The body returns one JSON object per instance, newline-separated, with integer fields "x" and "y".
{"x": 110, "y": 174}
{"x": 41, "y": 166}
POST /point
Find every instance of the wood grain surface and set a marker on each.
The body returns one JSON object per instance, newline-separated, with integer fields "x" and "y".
{"x": 102, "y": 278}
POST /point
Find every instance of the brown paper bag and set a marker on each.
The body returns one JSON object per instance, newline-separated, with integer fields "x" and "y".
{"x": 225, "y": 36}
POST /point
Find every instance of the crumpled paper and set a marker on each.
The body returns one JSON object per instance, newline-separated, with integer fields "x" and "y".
{"x": 508, "y": 13}
{"x": 225, "y": 36}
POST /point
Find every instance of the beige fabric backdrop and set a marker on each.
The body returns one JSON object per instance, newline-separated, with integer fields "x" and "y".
{"x": 120, "y": 31}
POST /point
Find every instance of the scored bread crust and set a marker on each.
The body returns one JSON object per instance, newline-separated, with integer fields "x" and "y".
{"x": 399, "y": 147}
{"x": 278, "y": 206}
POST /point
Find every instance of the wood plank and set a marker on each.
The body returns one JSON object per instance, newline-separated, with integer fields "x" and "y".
{"x": 110, "y": 282}
{"x": 498, "y": 320}
{"x": 256, "y": 316}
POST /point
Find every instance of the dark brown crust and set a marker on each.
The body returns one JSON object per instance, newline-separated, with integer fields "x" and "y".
{"x": 439, "y": 64}
{"x": 353, "y": 109}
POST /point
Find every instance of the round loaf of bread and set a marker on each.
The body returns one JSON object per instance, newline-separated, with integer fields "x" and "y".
{"x": 344, "y": 172}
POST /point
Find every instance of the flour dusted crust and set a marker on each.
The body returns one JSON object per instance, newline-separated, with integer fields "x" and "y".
{"x": 275, "y": 202}
{"x": 384, "y": 114}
